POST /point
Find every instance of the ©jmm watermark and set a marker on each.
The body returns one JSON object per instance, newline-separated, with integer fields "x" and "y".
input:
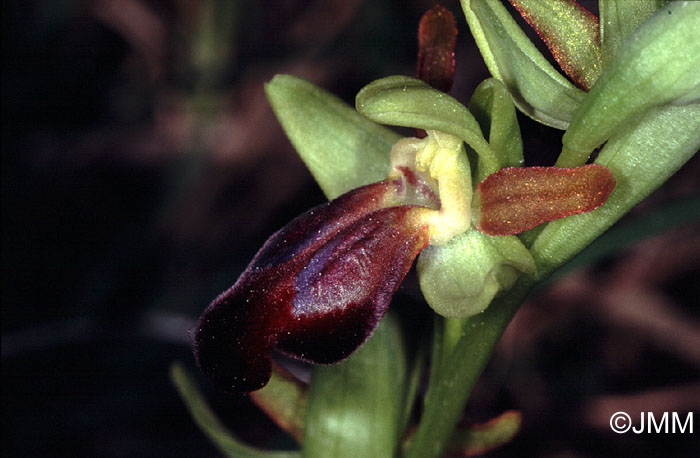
{"x": 649, "y": 423}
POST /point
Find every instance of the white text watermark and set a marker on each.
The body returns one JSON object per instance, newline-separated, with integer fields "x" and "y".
{"x": 653, "y": 423}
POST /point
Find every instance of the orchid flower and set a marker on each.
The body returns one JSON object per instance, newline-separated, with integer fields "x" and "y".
{"x": 457, "y": 197}
{"x": 318, "y": 287}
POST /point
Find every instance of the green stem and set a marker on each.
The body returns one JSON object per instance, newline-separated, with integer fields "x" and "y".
{"x": 454, "y": 380}
{"x": 453, "y": 329}
{"x": 446, "y": 334}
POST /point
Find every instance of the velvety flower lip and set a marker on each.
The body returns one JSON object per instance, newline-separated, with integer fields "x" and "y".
{"x": 317, "y": 288}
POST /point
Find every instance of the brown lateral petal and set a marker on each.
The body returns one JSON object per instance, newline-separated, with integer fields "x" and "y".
{"x": 437, "y": 35}
{"x": 317, "y": 288}
{"x": 516, "y": 199}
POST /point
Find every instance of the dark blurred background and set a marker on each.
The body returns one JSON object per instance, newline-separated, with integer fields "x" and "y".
{"x": 141, "y": 170}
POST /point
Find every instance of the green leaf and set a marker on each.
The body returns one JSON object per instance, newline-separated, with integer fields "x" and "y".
{"x": 619, "y": 18}
{"x": 460, "y": 278}
{"x": 210, "y": 424}
{"x": 479, "y": 439}
{"x": 571, "y": 33}
{"x": 355, "y": 407}
{"x": 283, "y": 399}
{"x": 641, "y": 156}
{"x": 659, "y": 63}
{"x": 538, "y": 89}
{"x": 342, "y": 149}
{"x": 492, "y": 107}
{"x": 410, "y": 102}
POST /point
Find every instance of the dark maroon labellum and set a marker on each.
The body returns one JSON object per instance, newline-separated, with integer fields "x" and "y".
{"x": 316, "y": 290}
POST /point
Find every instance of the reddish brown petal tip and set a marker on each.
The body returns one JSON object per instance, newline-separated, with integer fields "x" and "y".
{"x": 516, "y": 199}
{"x": 437, "y": 35}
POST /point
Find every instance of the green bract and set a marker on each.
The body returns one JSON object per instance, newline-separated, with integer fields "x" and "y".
{"x": 658, "y": 64}
{"x": 538, "y": 89}
{"x": 641, "y": 156}
{"x": 619, "y": 18}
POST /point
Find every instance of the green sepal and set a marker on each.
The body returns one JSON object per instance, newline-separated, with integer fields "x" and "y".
{"x": 409, "y": 102}
{"x": 342, "y": 149}
{"x": 459, "y": 279}
{"x": 571, "y": 33}
{"x": 492, "y": 107}
{"x": 641, "y": 157}
{"x": 355, "y": 407}
{"x": 657, "y": 65}
{"x": 538, "y": 89}
{"x": 619, "y": 18}
{"x": 210, "y": 424}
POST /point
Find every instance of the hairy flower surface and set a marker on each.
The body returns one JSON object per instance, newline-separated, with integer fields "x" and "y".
{"x": 515, "y": 199}
{"x": 318, "y": 287}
